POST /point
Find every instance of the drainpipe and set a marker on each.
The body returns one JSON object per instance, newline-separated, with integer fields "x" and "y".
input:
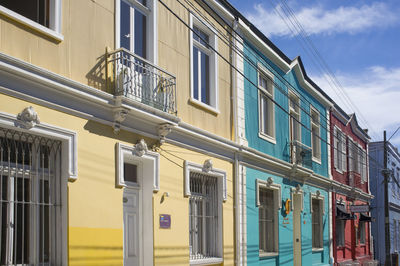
{"x": 238, "y": 235}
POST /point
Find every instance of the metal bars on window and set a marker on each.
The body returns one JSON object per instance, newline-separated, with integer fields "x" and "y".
{"x": 203, "y": 216}
{"x": 317, "y": 223}
{"x": 30, "y": 198}
{"x": 266, "y": 221}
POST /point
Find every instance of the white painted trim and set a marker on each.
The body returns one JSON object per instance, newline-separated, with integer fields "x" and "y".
{"x": 318, "y": 197}
{"x": 204, "y": 106}
{"x": 53, "y": 32}
{"x": 265, "y": 72}
{"x": 292, "y": 93}
{"x": 260, "y": 183}
{"x": 299, "y": 192}
{"x": 68, "y": 139}
{"x": 313, "y": 109}
{"x": 194, "y": 167}
{"x": 148, "y": 165}
{"x": 277, "y": 194}
{"x": 210, "y": 261}
{"x": 213, "y": 61}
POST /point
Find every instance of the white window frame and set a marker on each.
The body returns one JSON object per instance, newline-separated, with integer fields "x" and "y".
{"x": 69, "y": 168}
{"x": 150, "y": 11}
{"x": 148, "y": 165}
{"x": 318, "y": 196}
{"x": 222, "y": 197}
{"x": 213, "y": 60}
{"x": 276, "y": 188}
{"x": 318, "y": 127}
{"x": 340, "y": 150}
{"x": 292, "y": 94}
{"x": 54, "y": 30}
{"x": 270, "y": 96}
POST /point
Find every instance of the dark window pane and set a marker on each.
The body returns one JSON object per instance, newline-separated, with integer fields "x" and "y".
{"x": 130, "y": 173}
{"x": 195, "y": 73}
{"x": 200, "y": 36}
{"x": 205, "y": 79}
{"x": 36, "y": 10}
{"x": 140, "y": 34}
{"x": 125, "y": 28}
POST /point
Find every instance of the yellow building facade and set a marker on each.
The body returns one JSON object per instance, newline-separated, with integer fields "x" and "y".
{"x": 115, "y": 134}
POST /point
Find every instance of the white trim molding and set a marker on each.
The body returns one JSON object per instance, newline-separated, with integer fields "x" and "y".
{"x": 269, "y": 184}
{"x": 208, "y": 169}
{"x": 69, "y": 139}
{"x": 148, "y": 163}
{"x": 298, "y": 191}
{"x": 317, "y": 195}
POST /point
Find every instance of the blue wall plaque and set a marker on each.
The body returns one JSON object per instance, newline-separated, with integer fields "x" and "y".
{"x": 165, "y": 221}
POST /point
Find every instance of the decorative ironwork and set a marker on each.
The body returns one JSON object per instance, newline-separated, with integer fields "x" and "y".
{"x": 138, "y": 79}
{"x": 300, "y": 154}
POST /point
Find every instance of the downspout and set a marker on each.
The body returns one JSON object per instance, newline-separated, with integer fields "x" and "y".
{"x": 330, "y": 193}
{"x": 237, "y": 212}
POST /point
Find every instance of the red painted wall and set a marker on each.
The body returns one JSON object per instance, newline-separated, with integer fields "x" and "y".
{"x": 351, "y": 250}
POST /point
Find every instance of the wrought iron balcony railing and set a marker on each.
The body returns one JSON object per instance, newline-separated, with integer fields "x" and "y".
{"x": 136, "y": 78}
{"x": 300, "y": 154}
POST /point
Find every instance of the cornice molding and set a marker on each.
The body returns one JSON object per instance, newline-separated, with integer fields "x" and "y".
{"x": 17, "y": 78}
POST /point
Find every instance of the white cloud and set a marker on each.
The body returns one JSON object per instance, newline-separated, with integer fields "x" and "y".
{"x": 376, "y": 93}
{"x": 317, "y": 20}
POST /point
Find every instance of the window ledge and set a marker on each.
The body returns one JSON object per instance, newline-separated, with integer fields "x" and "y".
{"x": 267, "y": 138}
{"x": 209, "y": 261}
{"x": 268, "y": 254}
{"x": 316, "y": 160}
{"x": 31, "y": 24}
{"x": 317, "y": 249}
{"x": 204, "y": 106}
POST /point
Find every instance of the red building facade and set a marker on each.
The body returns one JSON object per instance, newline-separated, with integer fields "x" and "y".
{"x": 350, "y": 212}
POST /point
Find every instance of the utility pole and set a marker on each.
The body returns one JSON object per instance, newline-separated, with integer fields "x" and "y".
{"x": 385, "y": 172}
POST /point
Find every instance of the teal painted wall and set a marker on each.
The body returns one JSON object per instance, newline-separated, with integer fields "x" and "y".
{"x": 285, "y": 230}
{"x": 281, "y": 149}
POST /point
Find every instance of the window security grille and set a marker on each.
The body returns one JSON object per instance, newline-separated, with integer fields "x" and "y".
{"x": 203, "y": 216}
{"x": 316, "y": 224}
{"x": 30, "y": 198}
{"x": 266, "y": 221}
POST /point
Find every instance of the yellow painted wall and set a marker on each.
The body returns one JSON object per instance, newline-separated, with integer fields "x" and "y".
{"x": 174, "y": 56}
{"x": 171, "y": 246}
{"x": 88, "y": 28}
{"x": 95, "y": 232}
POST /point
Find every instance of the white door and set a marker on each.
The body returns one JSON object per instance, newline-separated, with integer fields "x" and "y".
{"x": 297, "y": 198}
{"x": 132, "y": 227}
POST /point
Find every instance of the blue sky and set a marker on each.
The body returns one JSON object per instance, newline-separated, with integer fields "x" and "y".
{"x": 358, "y": 39}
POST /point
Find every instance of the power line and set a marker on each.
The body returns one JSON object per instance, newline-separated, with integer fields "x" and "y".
{"x": 245, "y": 77}
{"x": 394, "y": 133}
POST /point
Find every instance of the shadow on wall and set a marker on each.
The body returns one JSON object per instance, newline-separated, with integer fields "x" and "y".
{"x": 96, "y": 77}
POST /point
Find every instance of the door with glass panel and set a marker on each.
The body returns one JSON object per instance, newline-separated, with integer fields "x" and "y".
{"x": 133, "y": 71}
{"x": 30, "y": 199}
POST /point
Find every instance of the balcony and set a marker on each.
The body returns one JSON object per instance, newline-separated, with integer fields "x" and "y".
{"x": 134, "y": 77}
{"x": 300, "y": 154}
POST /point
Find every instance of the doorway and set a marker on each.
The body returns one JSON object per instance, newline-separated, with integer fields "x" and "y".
{"x": 132, "y": 226}
{"x": 297, "y": 206}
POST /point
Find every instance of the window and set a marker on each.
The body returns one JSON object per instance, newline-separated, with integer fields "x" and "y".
{"x": 354, "y": 157}
{"x": 206, "y": 188}
{"x": 31, "y": 199}
{"x": 340, "y": 232}
{"x": 203, "y": 217}
{"x": 317, "y": 209}
{"x": 315, "y": 134}
{"x": 133, "y": 26}
{"x": 340, "y": 151}
{"x": 363, "y": 165}
{"x": 266, "y": 104}
{"x": 42, "y": 15}
{"x": 204, "y": 86}
{"x": 361, "y": 230}
{"x": 268, "y": 200}
{"x": 294, "y": 111}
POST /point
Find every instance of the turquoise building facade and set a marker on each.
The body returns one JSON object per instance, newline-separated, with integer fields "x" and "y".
{"x": 290, "y": 176}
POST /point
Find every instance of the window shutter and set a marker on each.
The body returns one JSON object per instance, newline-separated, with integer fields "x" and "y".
{"x": 344, "y": 153}
{"x": 335, "y": 147}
